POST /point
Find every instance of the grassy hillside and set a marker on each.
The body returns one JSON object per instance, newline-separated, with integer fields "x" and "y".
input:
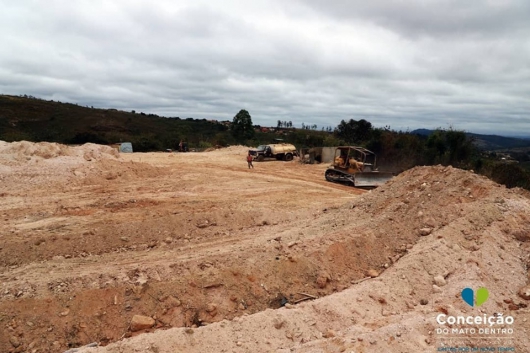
{"x": 39, "y": 120}
{"x": 32, "y": 119}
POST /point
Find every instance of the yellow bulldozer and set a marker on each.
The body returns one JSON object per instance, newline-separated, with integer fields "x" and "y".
{"x": 356, "y": 166}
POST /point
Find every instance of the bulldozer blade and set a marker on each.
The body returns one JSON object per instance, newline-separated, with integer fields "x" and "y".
{"x": 369, "y": 179}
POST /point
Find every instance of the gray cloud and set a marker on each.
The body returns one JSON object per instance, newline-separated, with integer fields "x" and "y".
{"x": 434, "y": 18}
{"x": 420, "y": 64}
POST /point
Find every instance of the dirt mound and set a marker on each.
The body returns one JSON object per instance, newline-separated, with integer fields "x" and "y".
{"x": 43, "y": 163}
{"x": 230, "y": 150}
{"x": 226, "y": 149}
{"x": 426, "y": 235}
{"x": 91, "y": 151}
{"x": 24, "y": 151}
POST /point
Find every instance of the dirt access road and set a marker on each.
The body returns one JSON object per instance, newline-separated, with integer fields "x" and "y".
{"x": 92, "y": 240}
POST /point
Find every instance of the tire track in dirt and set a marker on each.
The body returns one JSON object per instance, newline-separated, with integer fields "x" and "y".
{"x": 113, "y": 264}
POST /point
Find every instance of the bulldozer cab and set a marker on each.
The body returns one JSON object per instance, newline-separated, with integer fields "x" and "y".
{"x": 354, "y": 159}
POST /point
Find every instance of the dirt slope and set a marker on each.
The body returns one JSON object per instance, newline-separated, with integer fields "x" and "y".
{"x": 198, "y": 240}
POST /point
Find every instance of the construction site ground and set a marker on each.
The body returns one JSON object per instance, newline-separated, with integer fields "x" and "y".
{"x": 194, "y": 252}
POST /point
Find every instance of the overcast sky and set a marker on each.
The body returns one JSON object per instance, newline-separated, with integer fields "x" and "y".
{"x": 406, "y": 64}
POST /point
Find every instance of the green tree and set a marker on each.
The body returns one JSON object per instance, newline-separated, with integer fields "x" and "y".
{"x": 511, "y": 175}
{"x": 450, "y": 147}
{"x": 436, "y": 148}
{"x": 354, "y": 131}
{"x": 242, "y": 128}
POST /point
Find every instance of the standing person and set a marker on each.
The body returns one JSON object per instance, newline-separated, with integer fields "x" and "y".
{"x": 249, "y": 161}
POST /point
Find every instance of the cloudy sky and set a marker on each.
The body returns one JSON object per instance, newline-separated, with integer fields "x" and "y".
{"x": 406, "y": 64}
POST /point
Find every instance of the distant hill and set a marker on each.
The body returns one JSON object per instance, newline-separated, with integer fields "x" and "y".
{"x": 487, "y": 142}
{"x": 423, "y": 132}
{"x": 33, "y": 119}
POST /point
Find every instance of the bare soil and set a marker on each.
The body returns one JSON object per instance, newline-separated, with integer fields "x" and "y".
{"x": 227, "y": 259}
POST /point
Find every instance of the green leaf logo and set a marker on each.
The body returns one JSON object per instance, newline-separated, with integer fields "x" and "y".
{"x": 468, "y": 295}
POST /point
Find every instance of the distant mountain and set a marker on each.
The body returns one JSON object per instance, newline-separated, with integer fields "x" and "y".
{"x": 423, "y": 132}
{"x": 495, "y": 142}
{"x": 487, "y": 142}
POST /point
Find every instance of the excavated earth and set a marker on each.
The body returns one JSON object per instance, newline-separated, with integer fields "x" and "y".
{"x": 194, "y": 252}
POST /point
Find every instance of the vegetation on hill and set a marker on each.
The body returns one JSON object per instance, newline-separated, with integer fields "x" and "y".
{"x": 39, "y": 120}
{"x": 32, "y": 119}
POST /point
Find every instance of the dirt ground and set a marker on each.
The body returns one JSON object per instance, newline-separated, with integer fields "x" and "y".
{"x": 194, "y": 252}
